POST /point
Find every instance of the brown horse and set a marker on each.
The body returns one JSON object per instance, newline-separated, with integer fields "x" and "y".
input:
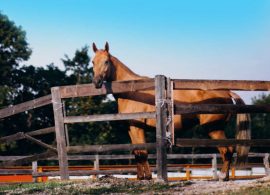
{"x": 108, "y": 68}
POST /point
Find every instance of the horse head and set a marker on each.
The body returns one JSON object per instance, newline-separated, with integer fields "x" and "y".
{"x": 102, "y": 65}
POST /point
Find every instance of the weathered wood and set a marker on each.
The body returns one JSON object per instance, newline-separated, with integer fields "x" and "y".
{"x": 221, "y": 142}
{"x": 131, "y": 156}
{"x": 214, "y": 167}
{"x": 15, "y": 172}
{"x": 161, "y": 120}
{"x": 88, "y": 172}
{"x": 60, "y": 132}
{"x": 220, "y": 108}
{"x": 34, "y": 170}
{"x": 238, "y": 85}
{"x": 107, "y": 88}
{"x": 22, "y": 135}
{"x": 107, "y": 148}
{"x": 96, "y": 164}
{"x": 66, "y": 126}
{"x": 41, "y": 131}
{"x": 15, "y": 109}
{"x": 28, "y": 137}
{"x": 11, "y": 138}
{"x": 170, "y": 105}
{"x": 108, "y": 117}
{"x": 266, "y": 164}
{"x": 97, "y": 172}
{"x": 28, "y": 159}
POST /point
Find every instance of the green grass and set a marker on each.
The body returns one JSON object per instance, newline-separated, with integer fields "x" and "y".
{"x": 85, "y": 187}
{"x": 30, "y": 188}
{"x": 253, "y": 191}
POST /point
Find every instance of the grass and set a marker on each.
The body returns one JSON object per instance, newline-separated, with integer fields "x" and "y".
{"x": 30, "y": 188}
{"x": 253, "y": 191}
{"x": 112, "y": 185}
{"x": 88, "y": 187}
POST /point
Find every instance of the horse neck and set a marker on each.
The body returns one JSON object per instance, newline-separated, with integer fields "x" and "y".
{"x": 122, "y": 72}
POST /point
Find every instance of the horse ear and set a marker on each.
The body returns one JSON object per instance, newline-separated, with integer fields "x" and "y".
{"x": 94, "y": 47}
{"x": 107, "y": 47}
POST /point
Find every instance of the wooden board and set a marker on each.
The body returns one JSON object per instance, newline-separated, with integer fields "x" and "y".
{"x": 221, "y": 142}
{"x": 29, "y": 105}
{"x": 220, "y": 108}
{"x": 107, "y": 88}
{"x": 242, "y": 85}
{"x": 108, "y": 117}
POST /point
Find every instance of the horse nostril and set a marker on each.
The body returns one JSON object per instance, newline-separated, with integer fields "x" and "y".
{"x": 98, "y": 82}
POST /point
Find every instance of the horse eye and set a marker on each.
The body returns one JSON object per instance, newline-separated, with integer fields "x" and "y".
{"x": 106, "y": 62}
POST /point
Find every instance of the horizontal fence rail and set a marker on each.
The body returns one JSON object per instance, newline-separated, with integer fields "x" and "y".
{"x": 238, "y": 85}
{"x": 107, "y": 88}
{"x": 220, "y": 108}
{"x": 108, "y": 117}
{"x": 221, "y": 142}
{"x": 22, "y": 135}
{"x": 107, "y": 148}
{"x": 131, "y": 156}
{"x": 149, "y": 91}
{"x": 29, "y": 105}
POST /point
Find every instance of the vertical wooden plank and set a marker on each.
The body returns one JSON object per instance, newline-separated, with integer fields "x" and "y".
{"x": 214, "y": 167}
{"x": 161, "y": 118}
{"x": 60, "y": 133}
{"x": 233, "y": 172}
{"x": 188, "y": 173}
{"x": 170, "y": 122}
{"x": 34, "y": 170}
{"x": 266, "y": 164}
{"x": 96, "y": 165}
{"x": 66, "y": 127}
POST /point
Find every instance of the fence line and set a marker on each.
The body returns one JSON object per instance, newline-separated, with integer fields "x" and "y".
{"x": 134, "y": 90}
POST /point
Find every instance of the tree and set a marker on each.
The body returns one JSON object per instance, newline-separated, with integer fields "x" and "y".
{"x": 14, "y": 48}
{"x": 79, "y": 66}
{"x": 29, "y": 83}
{"x": 260, "y": 121}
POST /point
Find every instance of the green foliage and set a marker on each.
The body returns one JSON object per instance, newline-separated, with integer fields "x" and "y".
{"x": 79, "y": 66}
{"x": 13, "y": 48}
{"x": 260, "y": 121}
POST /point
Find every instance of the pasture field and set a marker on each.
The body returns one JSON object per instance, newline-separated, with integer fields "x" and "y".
{"x": 111, "y": 185}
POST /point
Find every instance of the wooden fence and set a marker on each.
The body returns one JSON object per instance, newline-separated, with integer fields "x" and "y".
{"x": 165, "y": 106}
{"x": 40, "y": 173}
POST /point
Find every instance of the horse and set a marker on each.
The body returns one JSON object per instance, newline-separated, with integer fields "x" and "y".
{"x": 108, "y": 68}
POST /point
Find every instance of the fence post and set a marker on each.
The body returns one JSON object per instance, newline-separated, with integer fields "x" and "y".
{"x": 34, "y": 170}
{"x": 96, "y": 165}
{"x": 170, "y": 104}
{"x": 214, "y": 167}
{"x": 266, "y": 164}
{"x": 60, "y": 132}
{"x": 161, "y": 118}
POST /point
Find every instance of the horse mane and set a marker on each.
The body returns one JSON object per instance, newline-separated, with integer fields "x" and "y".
{"x": 128, "y": 72}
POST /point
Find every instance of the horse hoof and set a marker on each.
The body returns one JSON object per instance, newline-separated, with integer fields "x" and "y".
{"x": 149, "y": 177}
{"x": 223, "y": 177}
{"x": 140, "y": 177}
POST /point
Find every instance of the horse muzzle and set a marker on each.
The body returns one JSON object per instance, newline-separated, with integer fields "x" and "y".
{"x": 98, "y": 81}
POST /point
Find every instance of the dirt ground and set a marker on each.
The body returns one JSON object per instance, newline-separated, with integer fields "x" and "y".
{"x": 112, "y": 185}
{"x": 229, "y": 187}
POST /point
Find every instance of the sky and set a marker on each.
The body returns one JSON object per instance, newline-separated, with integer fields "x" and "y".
{"x": 184, "y": 39}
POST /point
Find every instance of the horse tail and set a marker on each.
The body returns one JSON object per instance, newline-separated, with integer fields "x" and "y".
{"x": 243, "y": 131}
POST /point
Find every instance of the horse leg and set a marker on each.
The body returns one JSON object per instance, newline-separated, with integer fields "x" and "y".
{"x": 226, "y": 154}
{"x": 143, "y": 169}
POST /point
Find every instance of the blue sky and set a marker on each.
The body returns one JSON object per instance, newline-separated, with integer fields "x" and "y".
{"x": 194, "y": 39}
